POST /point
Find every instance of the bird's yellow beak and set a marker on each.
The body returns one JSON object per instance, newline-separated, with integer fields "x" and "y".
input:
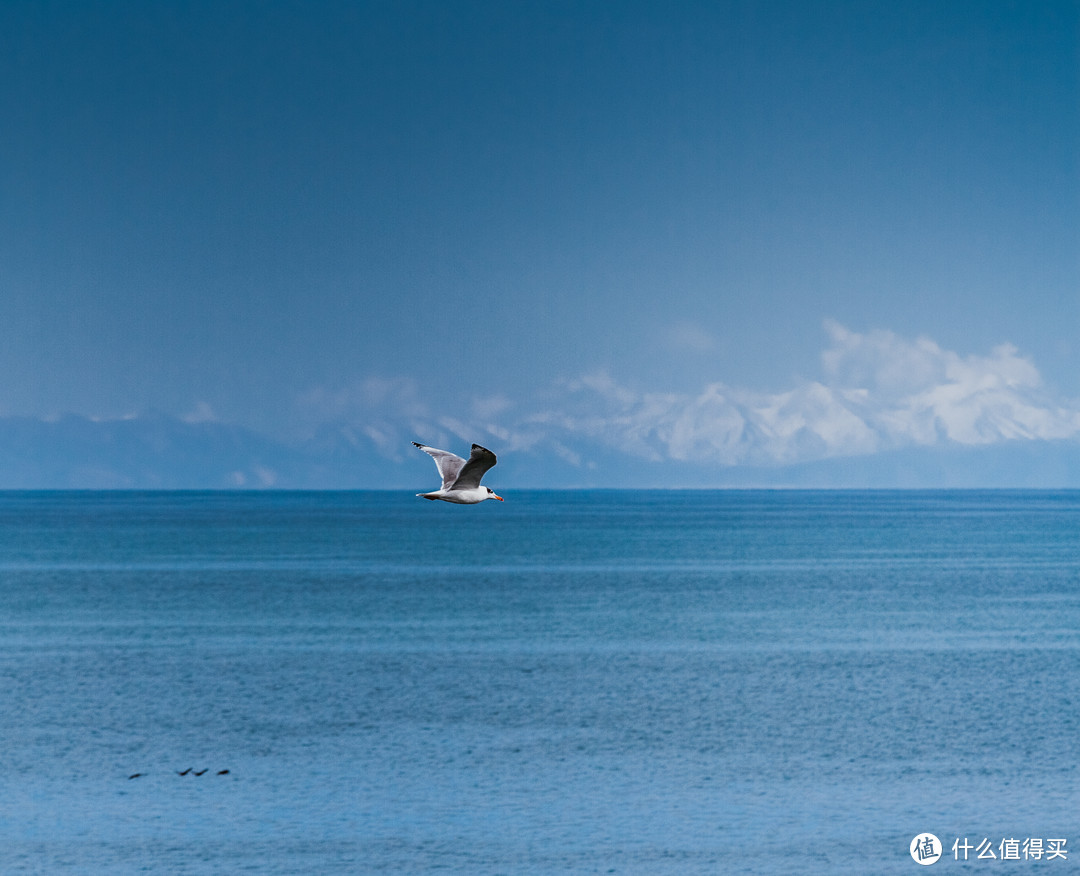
{"x": 500, "y": 498}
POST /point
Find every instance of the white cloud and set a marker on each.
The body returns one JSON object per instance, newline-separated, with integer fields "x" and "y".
{"x": 490, "y": 407}
{"x": 688, "y": 337}
{"x": 881, "y": 362}
{"x": 390, "y": 412}
{"x": 880, "y": 391}
{"x": 201, "y": 413}
{"x": 366, "y": 397}
{"x": 917, "y": 393}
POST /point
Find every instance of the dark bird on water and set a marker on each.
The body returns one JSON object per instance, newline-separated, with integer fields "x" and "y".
{"x": 200, "y": 772}
{"x": 136, "y": 776}
{"x": 185, "y": 772}
{"x": 223, "y": 772}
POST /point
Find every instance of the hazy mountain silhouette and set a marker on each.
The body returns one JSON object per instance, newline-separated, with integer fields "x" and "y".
{"x": 161, "y": 452}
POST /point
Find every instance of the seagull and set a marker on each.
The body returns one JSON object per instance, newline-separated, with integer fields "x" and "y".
{"x": 461, "y": 478}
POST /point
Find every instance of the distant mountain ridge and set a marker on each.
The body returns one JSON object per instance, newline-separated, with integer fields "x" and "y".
{"x": 157, "y": 451}
{"x": 149, "y": 452}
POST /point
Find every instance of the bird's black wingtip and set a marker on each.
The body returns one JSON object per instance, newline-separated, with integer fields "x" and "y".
{"x": 417, "y": 444}
{"x": 484, "y": 452}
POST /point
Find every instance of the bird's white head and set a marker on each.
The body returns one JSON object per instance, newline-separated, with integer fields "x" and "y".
{"x": 491, "y": 494}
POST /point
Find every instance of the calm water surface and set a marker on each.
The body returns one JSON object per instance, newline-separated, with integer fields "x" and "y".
{"x": 579, "y": 682}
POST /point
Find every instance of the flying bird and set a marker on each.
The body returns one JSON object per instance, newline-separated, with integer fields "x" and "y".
{"x": 461, "y": 478}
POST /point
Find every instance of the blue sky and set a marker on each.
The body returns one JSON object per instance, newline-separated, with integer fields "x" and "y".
{"x": 728, "y": 233}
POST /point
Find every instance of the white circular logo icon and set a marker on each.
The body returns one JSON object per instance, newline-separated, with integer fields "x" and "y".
{"x": 925, "y": 849}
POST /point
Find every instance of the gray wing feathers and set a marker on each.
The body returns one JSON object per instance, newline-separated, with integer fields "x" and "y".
{"x": 480, "y": 460}
{"x": 449, "y": 464}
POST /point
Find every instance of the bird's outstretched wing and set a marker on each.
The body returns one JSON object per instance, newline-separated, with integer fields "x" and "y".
{"x": 480, "y": 460}
{"x": 449, "y": 464}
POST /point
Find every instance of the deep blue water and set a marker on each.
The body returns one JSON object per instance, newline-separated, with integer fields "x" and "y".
{"x": 567, "y": 682}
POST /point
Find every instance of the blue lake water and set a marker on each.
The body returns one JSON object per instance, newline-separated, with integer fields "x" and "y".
{"x": 567, "y": 682}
